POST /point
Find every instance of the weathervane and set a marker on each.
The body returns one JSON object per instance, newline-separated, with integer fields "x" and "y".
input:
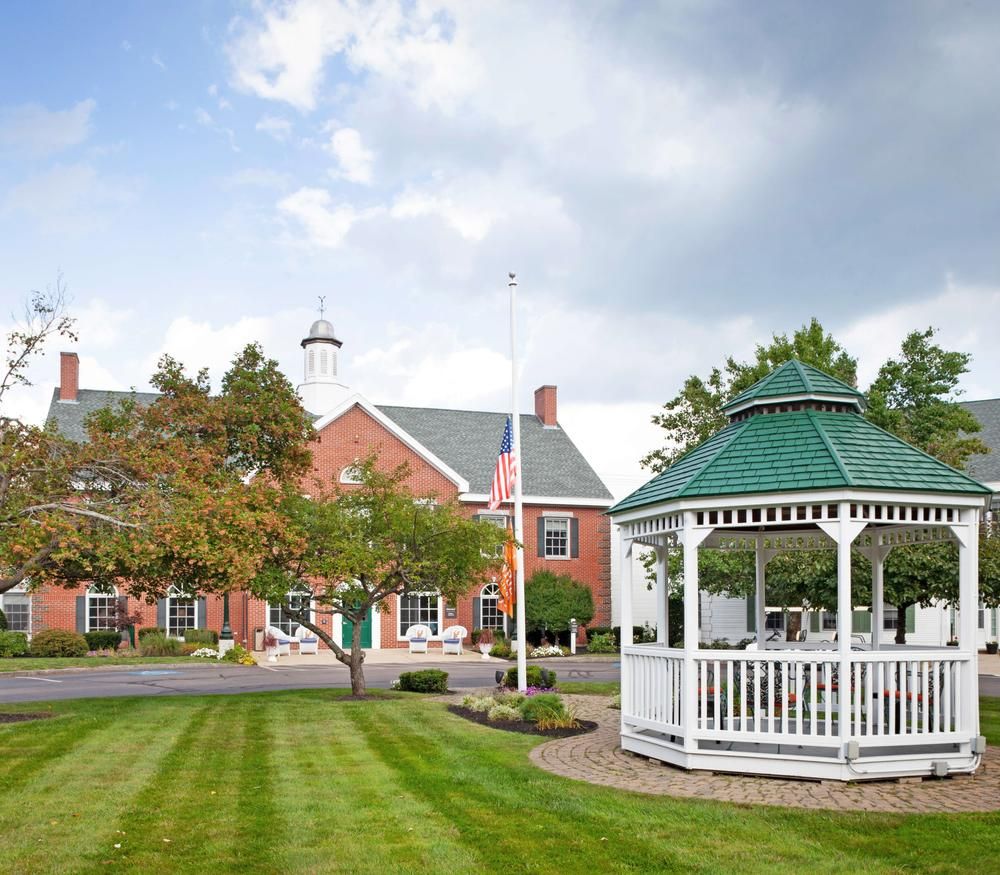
{"x": 322, "y": 305}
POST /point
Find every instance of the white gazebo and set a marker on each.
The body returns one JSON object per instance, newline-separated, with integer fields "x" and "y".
{"x": 798, "y": 468}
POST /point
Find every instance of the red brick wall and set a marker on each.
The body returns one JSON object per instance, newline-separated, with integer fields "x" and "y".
{"x": 340, "y": 443}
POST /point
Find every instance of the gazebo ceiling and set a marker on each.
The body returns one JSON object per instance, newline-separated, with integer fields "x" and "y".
{"x": 803, "y": 449}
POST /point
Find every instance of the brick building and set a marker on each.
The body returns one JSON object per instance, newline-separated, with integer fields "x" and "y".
{"x": 451, "y": 453}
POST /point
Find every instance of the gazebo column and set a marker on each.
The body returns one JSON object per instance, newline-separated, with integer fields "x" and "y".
{"x": 759, "y": 593}
{"x": 692, "y": 539}
{"x": 626, "y": 622}
{"x": 877, "y": 556}
{"x": 968, "y": 606}
{"x": 662, "y": 596}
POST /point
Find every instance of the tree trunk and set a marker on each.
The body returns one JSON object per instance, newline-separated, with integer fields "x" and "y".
{"x": 901, "y": 623}
{"x": 357, "y": 658}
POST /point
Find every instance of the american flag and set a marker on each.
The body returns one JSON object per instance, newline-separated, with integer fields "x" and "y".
{"x": 506, "y": 472}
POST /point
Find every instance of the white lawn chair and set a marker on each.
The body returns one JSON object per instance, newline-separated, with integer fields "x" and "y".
{"x": 308, "y": 642}
{"x": 418, "y": 636}
{"x": 284, "y": 642}
{"x": 451, "y": 641}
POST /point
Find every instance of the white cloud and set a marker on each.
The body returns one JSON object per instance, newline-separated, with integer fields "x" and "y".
{"x": 354, "y": 161}
{"x": 158, "y": 62}
{"x": 126, "y": 46}
{"x": 325, "y": 225}
{"x": 967, "y": 319}
{"x": 70, "y": 197}
{"x": 205, "y": 119}
{"x": 33, "y": 130}
{"x": 278, "y": 128}
{"x": 258, "y": 177}
{"x": 101, "y": 324}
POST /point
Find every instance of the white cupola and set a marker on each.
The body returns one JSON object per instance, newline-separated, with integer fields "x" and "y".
{"x": 321, "y": 389}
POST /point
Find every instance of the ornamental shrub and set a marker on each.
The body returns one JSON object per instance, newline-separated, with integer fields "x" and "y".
{"x": 106, "y": 640}
{"x": 552, "y": 600}
{"x": 541, "y": 705}
{"x": 503, "y": 712}
{"x": 58, "y": 642}
{"x": 501, "y": 650}
{"x": 13, "y": 644}
{"x": 3, "y": 621}
{"x": 535, "y": 676}
{"x": 597, "y": 643}
{"x": 159, "y": 645}
{"x": 151, "y": 630}
{"x": 430, "y": 680}
{"x": 201, "y": 636}
{"x": 239, "y": 655}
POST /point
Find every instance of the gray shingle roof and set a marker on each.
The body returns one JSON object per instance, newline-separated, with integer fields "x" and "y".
{"x": 987, "y": 466}
{"x": 68, "y": 417}
{"x": 468, "y": 441}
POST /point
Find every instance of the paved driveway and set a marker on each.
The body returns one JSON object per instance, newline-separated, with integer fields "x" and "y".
{"x": 153, "y": 680}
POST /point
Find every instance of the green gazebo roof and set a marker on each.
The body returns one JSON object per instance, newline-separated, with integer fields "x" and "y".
{"x": 795, "y": 379}
{"x": 796, "y": 450}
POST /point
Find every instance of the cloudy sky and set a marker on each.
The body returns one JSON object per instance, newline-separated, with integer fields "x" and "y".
{"x": 672, "y": 182}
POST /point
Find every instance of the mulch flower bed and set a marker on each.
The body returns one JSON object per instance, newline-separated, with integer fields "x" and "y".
{"x": 524, "y": 726}
{"x": 24, "y": 717}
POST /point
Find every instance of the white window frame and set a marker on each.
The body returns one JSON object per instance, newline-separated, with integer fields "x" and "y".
{"x": 174, "y": 595}
{"x": 500, "y": 520}
{"x": 401, "y": 628}
{"x": 350, "y": 475}
{"x": 774, "y": 621}
{"x": 552, "y": 518}
{"x": 494, "y": 597}
{"x": 296, "y": 593}
{"x": 95, "y": 592}
{"x": 21, "y": 595}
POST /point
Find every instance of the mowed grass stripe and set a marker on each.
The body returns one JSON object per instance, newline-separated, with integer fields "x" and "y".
{"x": 86, "y": 790}
{"x": 352, "y": 812}
{"x": 193, "y": 811}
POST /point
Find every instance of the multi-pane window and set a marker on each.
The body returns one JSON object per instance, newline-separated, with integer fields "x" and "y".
{"x": 829, "y": 621}
{"x": 890, "y": 619}
{"x": 182, "y": 613}
{"x": 489, "y": 608}
{"x": 774, "y": 621}
{"x": 102, "y": 604}
{"x": 17, "y": 608}
{"x": 556, "y": 537}
{"x": 296, "y": 601}
{"x": 498, "y": 520}
{"x": 419, "y": 608}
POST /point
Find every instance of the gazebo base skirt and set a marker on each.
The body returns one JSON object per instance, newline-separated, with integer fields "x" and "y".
{"x": 798, "y": 761}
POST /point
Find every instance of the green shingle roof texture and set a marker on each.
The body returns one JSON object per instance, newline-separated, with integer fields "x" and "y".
{"x": 800, "y": 450}
{"x": 795, "y": 378}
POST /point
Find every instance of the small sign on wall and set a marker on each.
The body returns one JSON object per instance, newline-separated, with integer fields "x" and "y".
{"x": 450, "y": 612}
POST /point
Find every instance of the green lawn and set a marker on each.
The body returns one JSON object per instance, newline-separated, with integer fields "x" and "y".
{"x": 310, "y": 782}
{"x": 37, "y": 663}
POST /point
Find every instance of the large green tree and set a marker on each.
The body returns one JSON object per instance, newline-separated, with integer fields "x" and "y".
{"x": 179, "y": 491}
{"x": 353, "y": 547}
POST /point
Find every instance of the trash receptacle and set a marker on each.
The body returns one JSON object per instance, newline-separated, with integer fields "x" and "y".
{"x": 258, "y": 638}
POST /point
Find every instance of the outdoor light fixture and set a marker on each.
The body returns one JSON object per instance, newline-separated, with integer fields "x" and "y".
{"x": 573, "y": 626}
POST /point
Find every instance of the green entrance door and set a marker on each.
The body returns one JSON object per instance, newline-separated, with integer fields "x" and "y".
{"x": 347, "y": 634}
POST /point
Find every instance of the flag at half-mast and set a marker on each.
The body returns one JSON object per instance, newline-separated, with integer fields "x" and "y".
{"x": 505, "y": 602}
{"x": 506, "y": 471}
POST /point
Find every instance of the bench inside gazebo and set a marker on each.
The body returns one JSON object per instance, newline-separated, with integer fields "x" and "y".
{"x": 799, "y": 468}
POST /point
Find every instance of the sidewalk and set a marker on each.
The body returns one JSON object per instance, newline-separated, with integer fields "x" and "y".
{"x": 389, "y": 656}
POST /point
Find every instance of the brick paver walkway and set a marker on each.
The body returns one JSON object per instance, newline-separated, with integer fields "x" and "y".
{"x": 597, "y": 758}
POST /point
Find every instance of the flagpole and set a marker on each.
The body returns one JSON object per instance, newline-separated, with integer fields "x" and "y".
{"x": 522, "y": 644}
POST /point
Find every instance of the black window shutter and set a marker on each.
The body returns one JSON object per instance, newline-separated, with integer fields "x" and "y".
{"x": 201, "y": 613}
{"x": 574, "y": 538}
{"x": 161, "y": 613}
{"x": 477, "y": 517}
{"x": 477, "y": 613}
{"x": 751, "y": 615}
{"x": 541, "y": 536}
{"x": 911, "y": 618}
{"x": 81, "y": 613}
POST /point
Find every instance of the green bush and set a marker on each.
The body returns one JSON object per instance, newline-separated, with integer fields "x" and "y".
{"x": 501, "y": 650}
{"x": 239, "y": 655}
{"x": 201, "y": 636}
{"x": 13, "y": 644}
{"x": 503, "y": 712}
{"x": 160, "y": 645}
{"x": 3, "y": 621}
{"x": 430, "y": 680}
{"x": 103, "y": 640}
{"x": 552, "y": 600}
{"x": 542, "y": 705}
{"x": 58, "y": 642}
{"x": 535, "y": 676}
{"x": 597, "y": 643}
{"x": 151, "y": 630}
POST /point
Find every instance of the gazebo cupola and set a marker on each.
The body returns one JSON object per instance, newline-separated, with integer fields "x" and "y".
{"x": 799, "y": 468}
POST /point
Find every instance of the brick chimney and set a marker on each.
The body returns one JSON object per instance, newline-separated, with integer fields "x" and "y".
{"x": 69, "y": 376}
{"x": 545, "y": 405}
